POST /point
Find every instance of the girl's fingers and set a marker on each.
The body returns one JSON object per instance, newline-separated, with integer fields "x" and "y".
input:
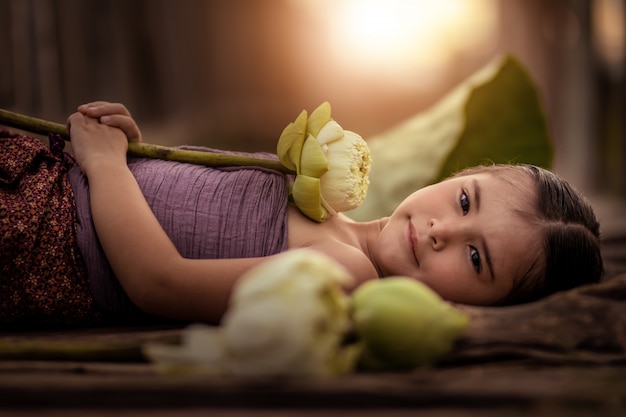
{"x": 125, "y": 124}
{"x": 98, "y": 109}
{"x": 94, "y": 104}
{"x": 114, "y": 115}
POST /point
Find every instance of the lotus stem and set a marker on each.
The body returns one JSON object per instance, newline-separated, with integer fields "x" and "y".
{"x": 144, "y": 150}
{"x": 32, "y": 124}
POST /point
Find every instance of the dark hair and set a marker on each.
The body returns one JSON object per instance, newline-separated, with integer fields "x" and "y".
{"x": 569, "y": 251}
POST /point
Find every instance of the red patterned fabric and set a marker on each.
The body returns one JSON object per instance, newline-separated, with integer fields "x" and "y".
{"x": 43, "y": 279}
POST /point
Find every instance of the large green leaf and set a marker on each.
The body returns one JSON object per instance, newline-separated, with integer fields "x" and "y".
{"x": 504, "y": 122}
{"x": 493, "y": 116}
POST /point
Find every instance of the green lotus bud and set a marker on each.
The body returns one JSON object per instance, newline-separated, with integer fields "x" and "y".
{"x": 403, "y": 324}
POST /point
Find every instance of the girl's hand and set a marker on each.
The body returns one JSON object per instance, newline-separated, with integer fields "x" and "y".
{"x": 95, "y": 144}
{"x": 114, "y": 115}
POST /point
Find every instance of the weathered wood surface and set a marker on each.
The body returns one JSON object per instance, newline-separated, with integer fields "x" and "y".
{"x": 512, "y": 386}
{"x": 586, "y": 325}
{"x": 560, "y": 356}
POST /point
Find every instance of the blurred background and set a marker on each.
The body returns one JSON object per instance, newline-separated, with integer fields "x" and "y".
{"x": 232, "y": 73}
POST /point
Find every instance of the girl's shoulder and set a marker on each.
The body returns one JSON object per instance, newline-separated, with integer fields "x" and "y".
{"x": 304, "y": 232}
{"x": 334, "y": 237}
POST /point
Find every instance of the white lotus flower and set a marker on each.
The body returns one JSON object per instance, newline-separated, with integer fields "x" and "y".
{"x": 288, "y": 316}
{"x": 332, "y": 164}
{"x": 345, "y": 184}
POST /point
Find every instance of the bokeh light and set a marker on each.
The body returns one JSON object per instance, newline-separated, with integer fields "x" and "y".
{"x": 610, "y": 31}
{"x": 398, "y": 38}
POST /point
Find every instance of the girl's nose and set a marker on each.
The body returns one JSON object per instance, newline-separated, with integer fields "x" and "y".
{"x": 441, "y": 233}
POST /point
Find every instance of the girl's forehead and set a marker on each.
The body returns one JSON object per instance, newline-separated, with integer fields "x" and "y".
{"x": 515, "y": 190}
{"x": 503, "y": 180}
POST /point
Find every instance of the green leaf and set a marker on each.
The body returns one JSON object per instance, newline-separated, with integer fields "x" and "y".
{"x": 504, "y": 123}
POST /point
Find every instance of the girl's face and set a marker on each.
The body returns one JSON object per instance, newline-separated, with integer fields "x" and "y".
{"x": 461, "y": 237}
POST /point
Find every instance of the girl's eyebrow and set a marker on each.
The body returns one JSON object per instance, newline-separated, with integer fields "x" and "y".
{"x": 477, "y": 194}
{"x": 476, "y": 187}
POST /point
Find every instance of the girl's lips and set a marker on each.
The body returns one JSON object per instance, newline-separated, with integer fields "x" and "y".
{"x": 413, "y": 242}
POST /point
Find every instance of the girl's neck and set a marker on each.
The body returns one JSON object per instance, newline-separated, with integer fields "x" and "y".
{"x": 366, "y": 237}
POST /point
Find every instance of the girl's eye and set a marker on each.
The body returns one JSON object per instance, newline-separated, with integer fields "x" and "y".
{"x": 475, "y": 259}
{"x": 465, "y": 203}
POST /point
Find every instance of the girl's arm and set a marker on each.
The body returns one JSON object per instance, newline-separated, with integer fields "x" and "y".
{"x": 152, "y": 272}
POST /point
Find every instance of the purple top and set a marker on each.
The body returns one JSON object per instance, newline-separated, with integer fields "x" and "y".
{"x": 231, "y": 212}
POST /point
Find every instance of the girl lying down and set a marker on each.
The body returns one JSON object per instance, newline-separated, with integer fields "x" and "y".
{"x": 100, "y": 238}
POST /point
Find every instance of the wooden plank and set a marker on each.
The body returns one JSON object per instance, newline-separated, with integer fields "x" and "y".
{"x": 512, "y": 386}
{"x": 586, "y": 325}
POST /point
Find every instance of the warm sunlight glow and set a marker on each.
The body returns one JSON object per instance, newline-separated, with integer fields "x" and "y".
{"x": 400, "y": 36}
{"x": 610, "y": 30}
